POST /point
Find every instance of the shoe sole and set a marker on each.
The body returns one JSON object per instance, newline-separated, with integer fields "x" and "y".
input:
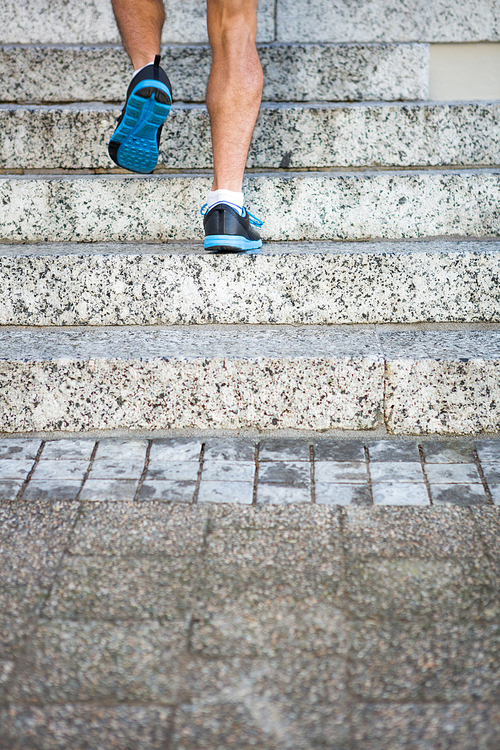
{"x": 135, "y": 141}
{"x": 230, "y": 243}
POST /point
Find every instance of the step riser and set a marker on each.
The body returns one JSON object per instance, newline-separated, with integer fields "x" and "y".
{"x": 92, "y": 22}
{"x": 311, "y": 20}
{"x": 285, "y": 136}
{"x": 312, "y": 72}
{"x": 313, "y": 207}
{"x": 111, "y": 379}
{"x": 359, "y": 285}
{"x": 387, "y": 20}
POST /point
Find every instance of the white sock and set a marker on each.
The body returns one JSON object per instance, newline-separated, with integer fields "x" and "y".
{"x": 235, "y": 200}
{"x": 144, "y": 66}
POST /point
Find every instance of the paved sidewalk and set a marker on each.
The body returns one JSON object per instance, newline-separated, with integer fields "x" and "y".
{"x": 297, "y": 616}
{"x": 246, "y": 471}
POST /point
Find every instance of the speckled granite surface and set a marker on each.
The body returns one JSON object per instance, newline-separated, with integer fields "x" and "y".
{"x": 388, "y": 21}
{"x": 313, "y": 206}
{"x": 286, "y": 136}
{"x": 289, "y": 283}
{"x": 309, "y": 377}
{"x": 92, "y": 22}
{"x": 199, "y": 377}
{"x": 302, "y": 72}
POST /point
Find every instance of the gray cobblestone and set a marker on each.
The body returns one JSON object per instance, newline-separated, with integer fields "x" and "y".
{"x": 53, "y": 489}
{"x": 395, "y": 493}
{"x": 297, "y": 473}
{"x": 101, "y": 490}
{"x": 121, "y": 450}
{"x": 226, "y": 492}
{"x": 19, "y": 448}
{"x": 458, "y": 494}
{"x": 448, "y": 452}
{"x": 15, "y": 469}
{"x": 495, "y": 493}
{"x": 348, "y": 472}
{"x": 283, "y": 449}
{"x": 174, "y": 470}
{"x": 71, "y": 448}
{"x": 112, "y": 469}
{"x": 492, "y": 473}
{"x": 393, "y": 450}
{"x": 339, "y": 450}
{"x": 175, "y": 449}
{"x": 10, "y": 488}
{"x": 169, "y": 491}
{"x": 229, "y": 449}
{"x": 453, "y": 474}
{"x": 228, "y": 471}
{"x": 56, "y": 470}
{"x": 398, "y": 472}
{"x": 343, "y": 494}
{"x": 488, "y": 450}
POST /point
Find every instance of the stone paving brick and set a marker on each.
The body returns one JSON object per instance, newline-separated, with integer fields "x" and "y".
{"x": 284, "y": 449}
{"x": 175, "y": 449}
{"x": 296, "y": 701}
{"x": 19, "y": 448}
{"x": 491, "y": 472}
{"x": 393, "y": 450}
{"x": 407, "y": 589}
{"x": 487, "y": 520}
{"x": 168, "y": 491}
{"x": 396, "y": 493}
{"x": 58, "y": 470}
{"x": 453, "y": 474}
{"x": 458, "y": 494}
{"x": 448, "y": 452}
{"x": 102, "y": 588}
{"x": 63, "y": 489}
{"x": 296, "y": 473}
{"x": 276, "y": 494}
{"x": 228, "y": 471}
{"x": 101, "y": 490}
{"x": 126, "y": 529}
{"x": 347, "y": 472}
{"x": 412, "y": 532}
{"x": 172, "y": 470}
{"x": 488, "y": 450}
{"x": 112, "y": 469}
{"x": 311, "y": 522}
{"x": 226, "y": 492}
{"x": 267, "y": 593}
{"x": 10, "y": 488}
{"x": 15, "y": 469}
{"x": 68, "y": 448}
{"x": 396, "y": 471}
{"x": 444, "y": 661}
{"x": 128, "y": 449}
{"x": 83, "y": 726}
{"x": 343, "y": 494}
{"x": 339, "y": 450}
{"x": 413, "y": 726}
{"x": 230, "y": 449}
{"x": 101, "y": 661}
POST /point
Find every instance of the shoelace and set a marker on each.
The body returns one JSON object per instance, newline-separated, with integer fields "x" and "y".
{"x": 251, "y": 218}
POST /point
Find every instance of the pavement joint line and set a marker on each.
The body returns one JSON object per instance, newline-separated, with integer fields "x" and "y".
{"x": 256, "y": 474}
{"x": 313, "y": 473}
{"x": 426, "y": 480}
{"x": 479, "y": 468}
{"x": 89, "y": 468}
{"x": 368, "y": 472}
{"x": 31, "y": 471}
{"x": 200, "y": 472}
{"x": 144, "y": 471}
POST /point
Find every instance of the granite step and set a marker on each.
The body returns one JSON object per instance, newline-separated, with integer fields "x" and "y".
{"x": 92, "y": 22}
{"x": 292, "y": 72}
{"x": 416, "y": 380}
{"x": 289, "y": 283}
{"x": 361, "y": 205}
{"x": 296, "y": 136}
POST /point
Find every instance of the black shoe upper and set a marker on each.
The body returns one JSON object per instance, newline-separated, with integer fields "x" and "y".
{"x": 222, "y": 219}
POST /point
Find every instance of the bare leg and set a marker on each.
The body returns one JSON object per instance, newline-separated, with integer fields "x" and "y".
{"x": 140, "y": 23}
{"x": 234, "y": 88}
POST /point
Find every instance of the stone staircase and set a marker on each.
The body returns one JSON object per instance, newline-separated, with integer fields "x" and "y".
{"x": 376, "y": 299}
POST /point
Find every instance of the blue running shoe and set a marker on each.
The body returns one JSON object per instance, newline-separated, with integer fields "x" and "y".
{"x": 228, "y": 232}
{"x": 134, "y": 144}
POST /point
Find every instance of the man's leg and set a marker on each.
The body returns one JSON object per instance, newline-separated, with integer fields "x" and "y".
{"x": 234, "y": 88}
{"x": 233, "y": 100}
{"x": 140, "y": 23}
{"x": 135, "y": 143}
